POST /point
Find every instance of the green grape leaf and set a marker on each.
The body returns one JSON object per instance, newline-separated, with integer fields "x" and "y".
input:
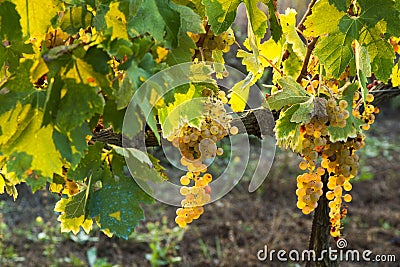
{"x": 275, "y": 26}
{"x": 337, "y": 59}
{"x": 117, "y": 203}
{"x": 373, "y": 12}
{"x": 147, "y": 20}
{"x": 10, "y": 29}
{"x": 352, "y": 124}
{"x": 257, "y": 18}
{"x": 36, "y": 15}
{"x": 189, "y": 22}
{"x": 75, "y": 18}
{"x": 90, "y": 162}
{"x": 12, "y": 53}
{"x": 196, "y": 5}
{"x": 340, "y": 4}
{"x": 324, "y": 19}
{"x": 379, "y": 50}
{"x": 221, "y": 13}
{"x": 75, "y": 208}
{"x": 288, "y": 22}
{"x": 293, "y": 64}
{"x": 73, "y": 224}
{"x": 350, "y": 26}
{"x": 140, "y": 164}
{"x": 70, "y": 115}
{"x": 112, "y": 116}
{"x": 187, "y": 108}
{"x": 291, "y": 93}
{"x": 363, "y": 66}
{"x": 304, "y": 112}
{"x": 286, "y": 131}
{"x": 72, "y": 145}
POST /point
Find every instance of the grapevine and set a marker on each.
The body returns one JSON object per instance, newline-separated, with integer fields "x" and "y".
{"x": 76, "y": 78}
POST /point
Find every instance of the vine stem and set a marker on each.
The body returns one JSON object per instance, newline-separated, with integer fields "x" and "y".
{"x": 320, "y": 230}
{"x": 310, "y": 45}
{"x": 310, "y": 49}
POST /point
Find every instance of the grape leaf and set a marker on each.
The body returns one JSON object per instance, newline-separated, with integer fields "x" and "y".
{"x": 287, "y": 132}
{"x": 73, "y": 144}
{"x": 293, "y": 64}
{"x": 373, "y": 12}
{"x": 75, "y": 18}
{"x": 379, "y": 50}
{"x": 257, "y": 18}
{"x": 340, "y": 4}
{"x": 73, "y": 224}
{"x": 36, "y": 15}
{"x": 363, "y": 66}
{"x": 239, "y": 95}
{"x": 147, "y": 20}
{"x": 117, "y": 203}
{"x": 288, "y": 22}
{"x": 25, "y": 122}
{"x": 221, "y": 13}
{"x": 187, "y": 108}
{"x": 303, "y": 113}
{"x": 291, "y": 93}
{"x": 116, "y": 20}
{"x": 189, "y": 22}
{"x": 75, "y": 207}
{"x": 70, "y": 115}
{"x": 335, "y": 52}
{"x": 275, "y": 26}
{"x": 324, "y": 19}
{"x": 10, "y": 29}
{"x": 2, "y": 184}
{"x": 352, "y": 124}
{"x": 396, "y": 75}
{"x": 90, "y": 163}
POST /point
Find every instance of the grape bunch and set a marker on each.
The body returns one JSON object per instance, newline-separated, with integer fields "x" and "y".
{"x": 208, "y": 42}
{"x": 197, "y": 145}
{"x": 338, "y": 160}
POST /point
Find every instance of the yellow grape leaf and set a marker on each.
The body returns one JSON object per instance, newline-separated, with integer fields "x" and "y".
{"x": 74, "y": 224}
{"x": 55, "y": 188}
{"x": 239, "y": 95}
{"x": 324, "y": 19}
{"x": 270, "y": 50}
{"x": 161, "y": 53}
{"x": 116, "y": 19}
{"x": 396, "y": 76}
{"x": 71, "y": 224}
{"x": 107, "y": 232}
{"x": 252, "y": 63}
{"x": 257, "y": 18}
{"x": 36, "y": 15}
{"x": 2, "y": 185}
{"x": 288, "y": 21}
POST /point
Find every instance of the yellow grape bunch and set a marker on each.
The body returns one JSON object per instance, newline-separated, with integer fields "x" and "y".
{"x": 195, "y": 146}
{"x": 336, "y": 159}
